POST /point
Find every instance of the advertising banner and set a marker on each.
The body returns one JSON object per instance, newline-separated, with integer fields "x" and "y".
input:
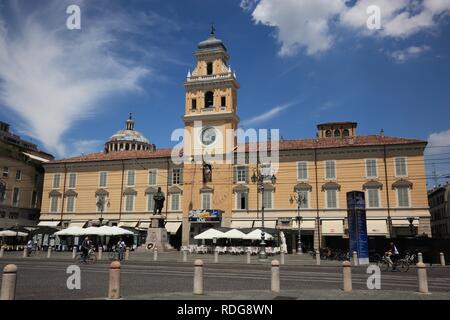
{"x": 205, "y": 216}
{"x": 357, "y": 226}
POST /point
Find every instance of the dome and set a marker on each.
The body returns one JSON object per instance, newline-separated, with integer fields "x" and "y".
{"x": 128, "y": 135}
{"x": 212, "y": 42}
{"x": 128, "y": 139}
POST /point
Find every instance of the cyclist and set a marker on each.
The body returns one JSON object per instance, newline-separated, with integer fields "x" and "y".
{"x": 121, "y": 248}
{"x": 85, "y": 247}
{"x": 393, "y": 255}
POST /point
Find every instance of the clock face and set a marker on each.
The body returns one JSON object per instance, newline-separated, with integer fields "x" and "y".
{"x": 208, "y": 136}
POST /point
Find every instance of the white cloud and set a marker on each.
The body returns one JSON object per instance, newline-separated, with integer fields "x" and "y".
{"x": 267, "y": 115}
{"x": 305, "y": 24}
{"x": 438, "y": 142}
{"x": 299, "y": 23}
{"x": 402, "y": 56}
{"x": 52, "y": 77}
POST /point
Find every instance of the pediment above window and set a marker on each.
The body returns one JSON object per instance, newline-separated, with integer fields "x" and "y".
{"x": 130, "y": 192}
{"x": 101, "y": 192}
{"x": 150, "y": 190}
{"x": 372, "y": 184}
{"x": 55, "y": 193}
{"x": 240, "y": 188}
{"x": 71, "y": 193}
{"x": 303, "y": 186}
{"x": 402, "y": 183}
{"x": 331, "y": 186}
{"x": 206, "y": 190}
{"x": 175, "y": 189}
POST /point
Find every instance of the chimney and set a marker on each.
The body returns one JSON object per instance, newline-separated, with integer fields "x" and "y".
{"x": 382, "y": 133}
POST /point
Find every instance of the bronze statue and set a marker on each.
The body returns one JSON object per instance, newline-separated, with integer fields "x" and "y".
{"x": 207, "y": 172}
{"x": 159, "y": 199}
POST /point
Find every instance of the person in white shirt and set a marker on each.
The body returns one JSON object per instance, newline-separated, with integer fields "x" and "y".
{"x": 121, "y": 246}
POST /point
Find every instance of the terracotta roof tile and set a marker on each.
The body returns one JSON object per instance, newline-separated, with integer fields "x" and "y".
{"x": 320, "y": 143}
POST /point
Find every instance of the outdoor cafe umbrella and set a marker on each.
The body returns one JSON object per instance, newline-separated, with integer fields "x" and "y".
{"x": 112, "y": 231}
{"x": 209, "y": 235}
{"x": 10, "y": 233}
{"x": 71, "y": 231}
{"x": 257, "y": 234}
{"x": 233, "y": 234}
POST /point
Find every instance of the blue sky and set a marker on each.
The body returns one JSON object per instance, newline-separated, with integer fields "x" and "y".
{"x": 299, "y": 63}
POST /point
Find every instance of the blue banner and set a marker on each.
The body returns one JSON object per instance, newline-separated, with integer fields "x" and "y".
{"x": 357, "y": 226}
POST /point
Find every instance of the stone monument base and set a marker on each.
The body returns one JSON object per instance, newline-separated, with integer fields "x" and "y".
{"x": 156, "y": 237}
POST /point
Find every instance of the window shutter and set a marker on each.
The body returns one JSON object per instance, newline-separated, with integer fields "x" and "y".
{"x": 181, "y": 175}
{"x": 169, "y": 177}
{"x": 235, "y": 171}
{"x": 246, "y": 176}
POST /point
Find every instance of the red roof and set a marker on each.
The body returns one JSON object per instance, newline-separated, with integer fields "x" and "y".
{"x": 320, "y": 143}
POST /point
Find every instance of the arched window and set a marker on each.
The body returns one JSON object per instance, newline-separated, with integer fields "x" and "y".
{"x": 209, "y": 68}
{"x": 345, "y": 133}
{"x": 328, "y": 133}
{"x": 337, "y": 133}
{"x": 209, "y": 99}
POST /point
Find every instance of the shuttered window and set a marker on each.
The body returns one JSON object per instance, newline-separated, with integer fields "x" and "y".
{"x": 330, "y": 169}
{"x": 373, "y": 196}
{"x": 302, "y": 170}
{"x": 400, "y": 167}
{"x": 331, "y": 198}
{"x": 103, "y": 179}
{"x": 131, "y": 178}
{"x": 371, "y": 168}
{"x": 403, "y": 197}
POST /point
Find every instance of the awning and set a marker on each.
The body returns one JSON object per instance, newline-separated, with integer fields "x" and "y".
{"x": 144, "y": 225}
{"x": 239, "y": 224}
{"x": 267, "y": 224}
{"x": 172, "y": 226}
{"x": 77, "y": 224}
{"x": 377, "y": 227}
{"x": 127, "y": 224}
{"x": 404, "y": 222}
{"x": 48, "y": 223}
{"x": 305, "y": 224}
{"x": 332, "y": 227}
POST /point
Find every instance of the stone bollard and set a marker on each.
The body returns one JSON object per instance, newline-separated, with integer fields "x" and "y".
{"x": 318, "y": 258}
{"x": 49, "y": 252}
{"x": 347, "y": 275}
{"x": 355, "y": 258}
{"x": 282, "y": 258}
{"x": 25, "y": 253}
{"x": 9, "y": 280}
{"x": 294, "y": 251}
{"x": 100, "y": 253}
{"x": 74, "y": 252}
{"x": 155, "y": 254}
{"x": 442, "y": 256}
{"x": 198, "y": 277}
{"x": 422, "y": 277}
{"x": 216, "y": 256}
{"x": 419, "y": 257}
{"x": 249, "y": 257}
{"x": 127, "y": 254}
{"x": 2, "y": 251}
{"x": 275, "y": 283}
{"x": 184, "y": 255}
{"x": 114, "y": 280}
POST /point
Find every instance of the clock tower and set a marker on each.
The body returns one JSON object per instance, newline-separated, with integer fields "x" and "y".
{"x": 210, "y": 121}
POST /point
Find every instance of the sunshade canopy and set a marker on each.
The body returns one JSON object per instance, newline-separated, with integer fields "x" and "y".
{"x": 209, "y": 234}
{"x": 257, "y": 234}
{"x": 10, "y": 233}
{"x": 234, "y": 234}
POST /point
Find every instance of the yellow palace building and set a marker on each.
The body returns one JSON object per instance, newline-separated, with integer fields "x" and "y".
{"x": 194, "y": 176}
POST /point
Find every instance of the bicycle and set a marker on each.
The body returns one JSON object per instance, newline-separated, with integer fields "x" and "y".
{"x": 89, "y": 259}
{"x": 385, "y": 263}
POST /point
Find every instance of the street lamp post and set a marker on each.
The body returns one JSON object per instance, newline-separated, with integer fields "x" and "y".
{"x": 259, "y": 179}
{"x": 411, "y": 225}
{"x": 299, "y": 199}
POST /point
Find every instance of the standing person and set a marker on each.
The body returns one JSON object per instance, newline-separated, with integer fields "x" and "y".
{"x": 29, "y": 247}
{"x": 85, "y": 247}
{"x": 121, "y": 248}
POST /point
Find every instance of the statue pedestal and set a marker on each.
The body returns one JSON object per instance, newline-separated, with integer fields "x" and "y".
{"x": 156, "y": 236}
